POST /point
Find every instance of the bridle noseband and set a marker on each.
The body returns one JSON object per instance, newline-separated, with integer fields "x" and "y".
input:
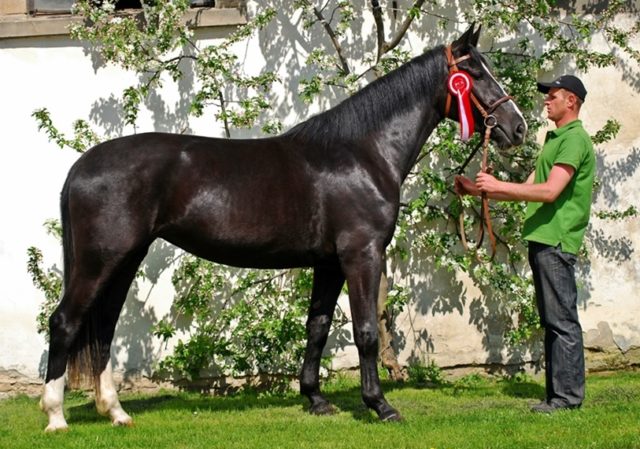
{"x": 490, "y": 122}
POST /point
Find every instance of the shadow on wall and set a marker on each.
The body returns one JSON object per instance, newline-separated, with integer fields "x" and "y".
{"x": 133, "y": 342}
{"x": 615, "y": 249}
{"x": 286, "y": 47}
{"x": 438, "y": 292}
{"x": 108, "y": 112}
{"x": 629, "y": 71}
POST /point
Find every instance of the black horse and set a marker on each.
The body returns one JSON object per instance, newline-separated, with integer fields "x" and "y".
{"x": 325, "y": 195}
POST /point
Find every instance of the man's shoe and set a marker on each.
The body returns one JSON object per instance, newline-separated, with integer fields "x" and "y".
{"x": 551, "y": 407}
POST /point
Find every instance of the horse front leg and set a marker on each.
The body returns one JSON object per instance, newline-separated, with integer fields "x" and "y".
{"x": 327, "y": 283}
{"x": 363, "y": 269}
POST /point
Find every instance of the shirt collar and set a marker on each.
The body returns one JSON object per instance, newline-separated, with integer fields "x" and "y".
{"x": 563, "y": 129}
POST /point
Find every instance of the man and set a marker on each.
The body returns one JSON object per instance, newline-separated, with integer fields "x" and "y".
{"x": 559, "y": 194}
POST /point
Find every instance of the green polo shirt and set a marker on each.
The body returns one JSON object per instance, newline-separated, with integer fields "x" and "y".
{"x": 565, "y": 220}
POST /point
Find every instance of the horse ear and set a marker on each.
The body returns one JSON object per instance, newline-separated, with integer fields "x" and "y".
{"x": 476, "y": 36}
{"x": 468, "y": 38}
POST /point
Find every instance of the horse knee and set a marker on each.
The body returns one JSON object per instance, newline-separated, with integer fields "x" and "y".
{"x": 308, "y": 385}
{"x": 366, "y": 338}
{"x": 318, "y": 327}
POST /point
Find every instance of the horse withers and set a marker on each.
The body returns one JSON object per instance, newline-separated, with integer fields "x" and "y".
{"x": 325, "y": 195}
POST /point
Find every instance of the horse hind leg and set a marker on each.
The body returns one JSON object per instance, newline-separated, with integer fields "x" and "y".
{"x": 108, "y": 309}
{"x": 107, "y": 402}
{"x": 327, "y": 283}
{"x": 51, "y": 404}
{"x": 65, "y": 328}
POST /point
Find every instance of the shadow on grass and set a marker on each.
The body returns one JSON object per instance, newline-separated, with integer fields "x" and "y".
{"x": 346, "y": 398}
{"x": 515, "y": 388}
{"x": 527, "y": 389}
{"x": 187, "y": 402}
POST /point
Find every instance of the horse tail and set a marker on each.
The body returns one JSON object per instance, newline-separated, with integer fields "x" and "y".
{"x": 67, "y": 242}
{"x": 83, "y": 364}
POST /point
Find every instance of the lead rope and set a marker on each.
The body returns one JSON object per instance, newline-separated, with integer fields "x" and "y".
{"x": 485, "y": 216}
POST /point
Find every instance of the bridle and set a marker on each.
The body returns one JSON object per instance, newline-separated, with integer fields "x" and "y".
{"x": 490, "y": 122}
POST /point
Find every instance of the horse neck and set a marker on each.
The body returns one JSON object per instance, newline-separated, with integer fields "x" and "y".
{"x": 400, "y": 144}
{"x": 392, "y": 116}
{"x": 400, "y": 141}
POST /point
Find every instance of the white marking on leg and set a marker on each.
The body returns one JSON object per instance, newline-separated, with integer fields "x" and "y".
{"x": 107, "y": 401}
{"x": 51, "y": 404}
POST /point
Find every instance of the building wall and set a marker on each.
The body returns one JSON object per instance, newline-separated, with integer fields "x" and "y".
{"x": 448, "y": 321}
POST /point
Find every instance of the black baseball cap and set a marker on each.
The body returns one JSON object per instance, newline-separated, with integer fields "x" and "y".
{"x": 568, "y": 82}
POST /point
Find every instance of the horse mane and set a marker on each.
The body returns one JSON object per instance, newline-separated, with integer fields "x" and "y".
{"x": 372, "y": 106}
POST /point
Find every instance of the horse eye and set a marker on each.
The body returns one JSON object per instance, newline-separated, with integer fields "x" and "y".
{"x": 476, "y": 73}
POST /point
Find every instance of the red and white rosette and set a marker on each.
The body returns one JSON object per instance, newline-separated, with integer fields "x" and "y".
{"x": 459, "y": 85}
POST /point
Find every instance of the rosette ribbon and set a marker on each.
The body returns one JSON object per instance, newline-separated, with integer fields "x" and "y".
{"x": 459, "y": 85}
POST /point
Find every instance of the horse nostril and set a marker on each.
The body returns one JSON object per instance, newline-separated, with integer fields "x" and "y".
{"x": 521, "y": 130}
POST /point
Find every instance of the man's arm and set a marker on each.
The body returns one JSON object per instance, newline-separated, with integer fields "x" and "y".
{"x": 464, "y": 186}
{"x": 546, "y": 192}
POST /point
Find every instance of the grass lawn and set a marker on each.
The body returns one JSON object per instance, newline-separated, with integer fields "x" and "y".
{"x": 471, "y": 413}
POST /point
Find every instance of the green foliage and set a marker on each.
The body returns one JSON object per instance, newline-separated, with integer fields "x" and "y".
{"x": 629, "y": 212}
{"x": 84, "y": 137}
{"x": 608, "y": 132}
{"x": 147, "y": 44}
{"x": 48, "y": 280}
{"x": 241, "y": 322}
{"x": 421, "y": 373}
{"x": 468, "y": 382}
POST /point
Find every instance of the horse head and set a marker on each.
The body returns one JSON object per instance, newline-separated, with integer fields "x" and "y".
{"x": 489, "y": 103}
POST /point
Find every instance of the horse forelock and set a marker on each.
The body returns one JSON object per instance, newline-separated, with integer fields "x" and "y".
{"x": 416, "y": 81}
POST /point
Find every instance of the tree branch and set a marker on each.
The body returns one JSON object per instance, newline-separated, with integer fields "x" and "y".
{"x": 334, "y": 40}
{"x": 377, "y": 16}
{"x": 403, "y": 29}
{"x": 383, "y": 45}
{"x": 223, "y": 108}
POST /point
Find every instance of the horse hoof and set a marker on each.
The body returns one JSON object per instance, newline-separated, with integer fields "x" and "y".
{"x": 391, "y": 416}
{"x": 122, "y": 422}
{"x": 323, "y": 408}
{"x": 56, "y": 428}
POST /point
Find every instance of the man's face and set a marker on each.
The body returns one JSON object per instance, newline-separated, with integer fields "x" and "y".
{"x": 556, "y": 102}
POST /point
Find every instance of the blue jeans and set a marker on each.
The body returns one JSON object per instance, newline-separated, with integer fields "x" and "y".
{"x": 557, "y": 295}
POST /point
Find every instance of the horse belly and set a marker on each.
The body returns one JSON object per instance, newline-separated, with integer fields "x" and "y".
{"x": 248, "y": 254}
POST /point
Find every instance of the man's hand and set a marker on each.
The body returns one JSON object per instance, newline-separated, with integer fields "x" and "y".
{"x": 488, "y": 183}
{"x": 465, "y": 186}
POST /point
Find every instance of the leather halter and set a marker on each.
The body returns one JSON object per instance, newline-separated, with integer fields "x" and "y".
{"x": 490, "y": 122}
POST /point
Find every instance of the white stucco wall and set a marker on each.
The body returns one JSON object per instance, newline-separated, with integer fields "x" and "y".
{"x": 61, "y": 75}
